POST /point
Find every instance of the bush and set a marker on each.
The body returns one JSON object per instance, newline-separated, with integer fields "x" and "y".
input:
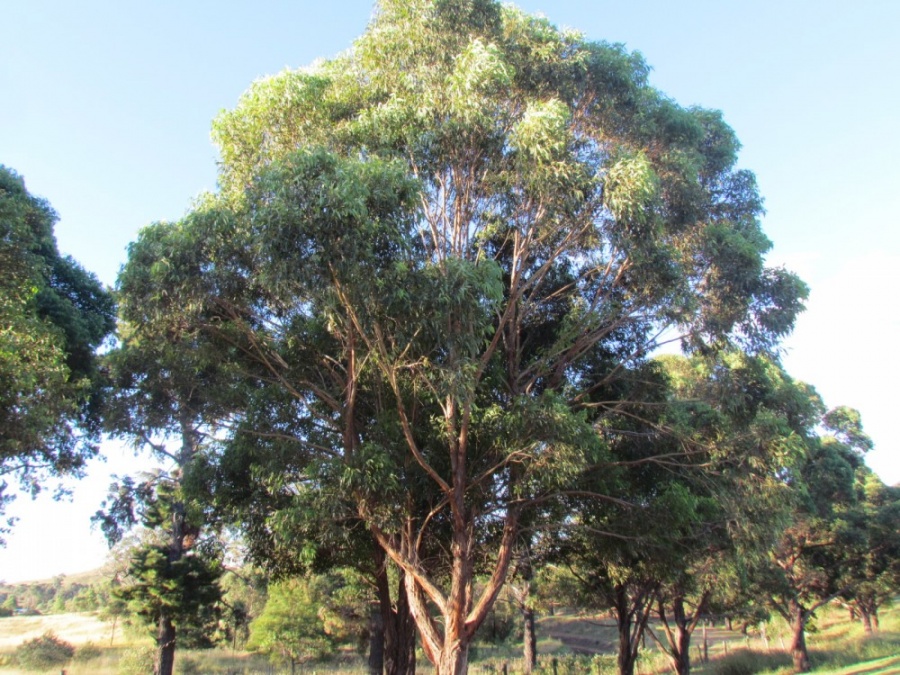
{"x": 87, "y": 652}
{"x": 138, "y": 661}
{"x": 748, "y": 662}
{"x": 43, "y": 653}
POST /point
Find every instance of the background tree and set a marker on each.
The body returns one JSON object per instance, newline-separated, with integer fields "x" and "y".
{"x": 808, "y": 560}
{"x": 301, "y": 620}
{"x": 700, "y": 444}
{"x": 53, "y": 317}
{"x": 173, "y": 392}
{"x": 871, "y": 546}
{"x": 747, "y": 420}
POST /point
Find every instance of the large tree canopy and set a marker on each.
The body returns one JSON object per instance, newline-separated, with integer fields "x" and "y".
{"x": 433, "y": 251}
{"x": 53, "y": 317}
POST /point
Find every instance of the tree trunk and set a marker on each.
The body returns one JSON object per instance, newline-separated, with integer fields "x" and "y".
{"x": 680, "y": 638}
{"x": 628, "y": 640}
{"x": 866, "y": 620}
{"x": 682, "y": 653}
{"x": 405, "y": 650}
{"x": 454, "y": 659}
{"x": 625, "y": 658}
{"x": 530, "y": 640}
{"x": 867, "y": 610}
{"x": 446, "y": 641}
{"x": 799, "y": 653}
{"x": 165, "y": 640}
{"x": 376, "y": 641}
{"x": 398, "y": 632}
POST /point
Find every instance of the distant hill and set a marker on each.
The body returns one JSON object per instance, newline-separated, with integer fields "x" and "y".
{"x": 81, "y": 592}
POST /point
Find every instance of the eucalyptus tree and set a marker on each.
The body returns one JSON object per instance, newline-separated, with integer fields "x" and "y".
{"x": 54, "y": 315}
{"x": 749, "y": 424}
{"x": 873, "y": 577}
{"x": 700, "y": 446}
{"x": 449, "y": 237}
{"x": 808, "y": 562}
{"x": 174, "y": 390}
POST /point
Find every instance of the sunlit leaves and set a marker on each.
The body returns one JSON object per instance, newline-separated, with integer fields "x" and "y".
{"x": 629, "y": 191}
{"x": 53, "y": 317}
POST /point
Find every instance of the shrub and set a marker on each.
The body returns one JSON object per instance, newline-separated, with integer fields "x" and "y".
{"x": 748, "y": 662}
{"x": 43, "y": 653}
{"x": 88, "y": 652}
{"x": 138, "y": 661}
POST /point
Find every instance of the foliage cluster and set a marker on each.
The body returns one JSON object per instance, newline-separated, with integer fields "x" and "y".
{"x": 44, "y": 652}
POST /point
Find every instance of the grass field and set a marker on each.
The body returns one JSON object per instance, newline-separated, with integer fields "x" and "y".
{"x": 567, "y": 644}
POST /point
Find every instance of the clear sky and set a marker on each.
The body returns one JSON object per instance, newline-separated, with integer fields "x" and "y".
{"x": 105, "y": 109}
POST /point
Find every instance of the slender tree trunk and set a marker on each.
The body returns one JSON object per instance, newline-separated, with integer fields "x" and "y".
{"x": 628, "y": 641}
{"x": 799, "y": 653}
{"x": 681, "y": 650}
{"x": 166, "y": 637}
{"x": 679, "y": 635}
{"x": 867, "y": 610}
{"x": 454, "y": 659}
{"x": 530, "y": 640}
{"x": 405, "y": 631}
{"x": 866, "y": 620}
{"x": 446, "y": 642}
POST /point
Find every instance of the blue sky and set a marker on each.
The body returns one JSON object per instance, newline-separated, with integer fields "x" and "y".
{"x": 105, "y": 109}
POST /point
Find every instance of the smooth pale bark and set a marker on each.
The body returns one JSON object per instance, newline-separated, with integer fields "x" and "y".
{"x": 446, "y": 643}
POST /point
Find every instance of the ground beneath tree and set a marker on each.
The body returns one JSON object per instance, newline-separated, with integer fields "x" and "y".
{"x": 597, "y": 634}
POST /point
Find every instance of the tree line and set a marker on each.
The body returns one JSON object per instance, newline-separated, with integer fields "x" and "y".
{"x": 415, "y": 334}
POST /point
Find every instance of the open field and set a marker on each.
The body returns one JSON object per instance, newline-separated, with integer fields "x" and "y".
{"x": 573, "y": 643}
{"x": 75, "y": 628}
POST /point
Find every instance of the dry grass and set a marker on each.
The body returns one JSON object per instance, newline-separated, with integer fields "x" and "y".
{"x": 75, "y": 628}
